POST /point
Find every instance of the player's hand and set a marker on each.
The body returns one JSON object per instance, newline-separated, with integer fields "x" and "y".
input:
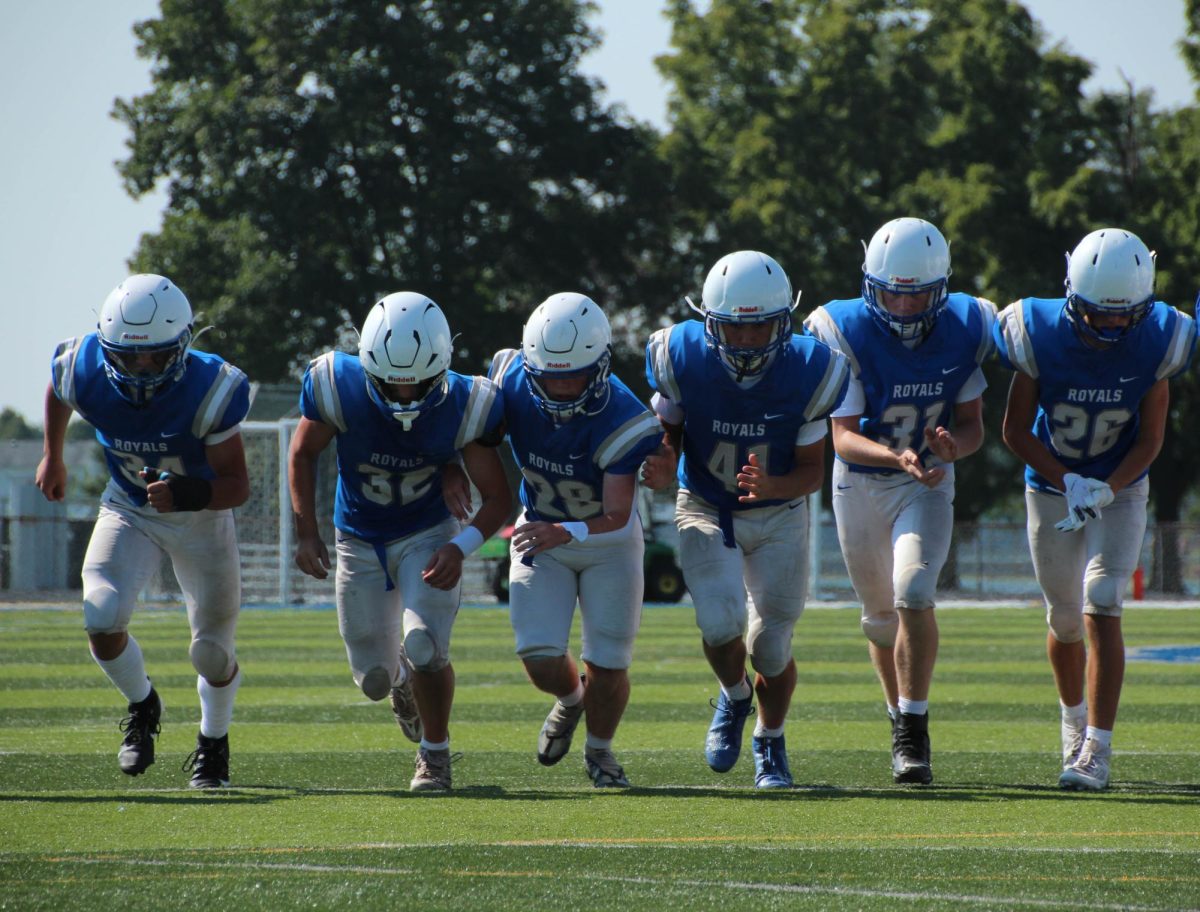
{"x": 658, "y": 471}
{"x": 51, "y": 478}
{"x": 445, "y": 567}
{"x": 456, "y": 491}
{"x": 942, "y": 444}
{"x": 533, "y": 538}
{"x": 1085, "y": 499}
{"x": 911, "y": 463}
{"x": 312, "y": 556}
{"x": 758, "y": 485}
{"x": 158, "y": 492}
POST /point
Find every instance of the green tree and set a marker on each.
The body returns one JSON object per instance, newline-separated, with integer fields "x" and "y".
{"x": 320, "y": 153}
{"x": 13, "y": 426}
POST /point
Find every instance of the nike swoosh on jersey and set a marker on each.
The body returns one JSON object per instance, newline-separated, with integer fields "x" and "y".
{"x": 773, "y": 417}
{"x": 949, "y": 370}
{"x": 577, "y": 455}
{"x": 844, "y": 487}
{"x": 1128, "y": 379}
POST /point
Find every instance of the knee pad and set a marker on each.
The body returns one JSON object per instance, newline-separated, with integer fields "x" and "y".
{"x": 1066, "y": 624}
{"x": 881, "y": 629}
{"x": 376, "y": 683}
{"x": 101, "y": 608}
{"x": 210, "y": 659}
{"x": 769, "y": 655}
{"x": 422, "y": 651}
{"x": 1102, "y": 595}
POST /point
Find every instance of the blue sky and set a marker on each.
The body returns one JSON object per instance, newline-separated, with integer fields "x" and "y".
{"x": 62, "y": 62}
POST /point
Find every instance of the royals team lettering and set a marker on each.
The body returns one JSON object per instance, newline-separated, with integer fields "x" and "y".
{"x": 735, "y": 429}
{"x": 915, "y": 390}
{"x": 390, "y": 461}
{"x": 557, "y": 468}
{"x": 139, "y": 446}
{"x": 1094, "y": 395}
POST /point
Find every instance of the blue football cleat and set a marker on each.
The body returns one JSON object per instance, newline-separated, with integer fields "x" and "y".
{"x": 724, "y": 741}
{"x": 771, "y": 763}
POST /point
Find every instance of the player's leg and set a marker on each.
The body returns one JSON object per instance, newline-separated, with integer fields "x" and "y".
{"x": 920, "y": 544}
{"x": 1114, "y": 545}
{"x": 1059, "y": 559}
{"x": 205, "y": 556}
{"x": 864, "y": 518}
{"x": 714, "y": 576}
{"x": 541, "y": 607}
{"x": 776, "y": 545}
{"x": 120, "y": 559}
{"x": 610, "y": 606}
{"x": 429, "y": 616}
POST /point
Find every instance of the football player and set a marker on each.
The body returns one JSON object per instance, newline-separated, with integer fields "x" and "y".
{"x": 168, "y": 419}
{"x": 1086, "y": 413}
{"x": 399, "y": 416}
{"x": 913, "y": 408}
{"x": 579, "y": 436}
{"x": 743, "y": 402}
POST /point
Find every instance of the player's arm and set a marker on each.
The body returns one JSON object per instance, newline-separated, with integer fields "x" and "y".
{"x": 856, "y": 448}
{"x": 616, "y": 498}
{"x": 51, "y": 477}
{"x": 1019, "y": 414}
{"x": 1152, "y": 425}
{"x": 965, "y": 439}
{"x": 658, "y": 471}
{"x": 805, "y": 476}
{"x": 310, "y": 439}
{"x": 231, "y": 481}
{"x": 487, "y": 472}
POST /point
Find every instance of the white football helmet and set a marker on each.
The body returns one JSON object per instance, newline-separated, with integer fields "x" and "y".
{"x": 568, "y": 335}
{"x": 405, "y": 339}
{"x": 907, "y": 256}
{"x": 746, "y": 287}
{"x": 1110, "y": 272}
{"x": 145, "y": 315}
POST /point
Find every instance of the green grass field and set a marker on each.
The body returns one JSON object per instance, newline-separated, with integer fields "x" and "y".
{"x": 320, "y": 816}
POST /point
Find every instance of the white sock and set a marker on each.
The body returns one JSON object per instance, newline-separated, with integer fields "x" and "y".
{"x": 574, "y": 698}
{"x": 216, "y": 705}
{"x": 1074, "y": 714}
{"x": 402, "y": 675}
{"x": 1100, "y": 736}
{"x": 740, "y": 691}
{"x": 893, "y": 711}
{"x": 128, "y": 672}
{"x": 913, "y": 707}
{"x": 435, "y": 745}
{"x": 598, "y": 744}
{"x": 761, "y": 731}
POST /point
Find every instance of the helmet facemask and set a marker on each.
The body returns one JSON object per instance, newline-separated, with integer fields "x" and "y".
{"x": 432, "y": 392}
{"x": 745, "y": 361}
{"x": 908, "y": 326}
{"x": 1110, "y": 273}
{"x": 137, "y": 386}
{"x": 591, "y": 401}
{"x": 1078, "y": 310}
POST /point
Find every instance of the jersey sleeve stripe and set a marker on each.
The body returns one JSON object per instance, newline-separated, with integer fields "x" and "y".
{"x": 501, "y": 363}
{"x": 220, "y": 394}
{"x": 1016, "y": 339}
{"x": 1179, "y": 351}
{"x": 825, "y": 399}
{"x": 664, "y": 370}
{"x": 618, "y": 444}
{"x": 325, "y": 391}
{"x": 821, "y": 325}
{"x": 479, "y": 405}
{"x": 987, "y": 311}
{"x": 64, "y": 371}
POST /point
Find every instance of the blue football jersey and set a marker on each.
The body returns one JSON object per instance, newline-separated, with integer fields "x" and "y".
{"x": 1088, "y": 398}
{"x": 167, "y": 433}
{"x": 907, "y": 390}
{"x": 389, "y": 479}
{"x": 725, "y": 423}
{"x": 563, "y": 465}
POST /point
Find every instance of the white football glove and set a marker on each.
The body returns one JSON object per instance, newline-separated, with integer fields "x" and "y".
{"x": 1086, "y": 497}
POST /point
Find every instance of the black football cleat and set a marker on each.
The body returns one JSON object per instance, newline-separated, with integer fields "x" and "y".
{"x": 141, "y": 727}
{"x": 209, "y": 763}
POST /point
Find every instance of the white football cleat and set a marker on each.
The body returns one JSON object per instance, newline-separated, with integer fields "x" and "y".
{"x": 1072, "y": 740}
{"x": 1090, "y": 772}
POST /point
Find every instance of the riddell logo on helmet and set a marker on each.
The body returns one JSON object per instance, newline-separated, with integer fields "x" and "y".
{"x": 747, "y": 310}
{"x": 904, "y": 280}
{"x": 402, "y": 378}
{"x": 559, "y": 365}
{"x": 135, "y": 337}
{"x": 1114, "y": 300}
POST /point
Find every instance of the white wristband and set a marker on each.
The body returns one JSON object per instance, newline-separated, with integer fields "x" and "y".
{"x": 577, "y": 530}
{"x": 468, "y": 540}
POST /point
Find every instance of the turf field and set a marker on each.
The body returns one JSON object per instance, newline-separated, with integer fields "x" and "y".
{"x": 320, "y": 816}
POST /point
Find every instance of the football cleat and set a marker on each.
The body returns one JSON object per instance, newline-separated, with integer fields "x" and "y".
{"x": 604, "y": 769}
{"x": 404, "y": 708}
{"x": 433, "y": 771}
{"x": 209, "y": 763}
{"x": 910, "y": 750}
{"x": 141, "y": 727}
{"x": 1072, "y": 740}
{"x": 554, "y": 740}
{"x": 724, "y": 741}
{"x": 1089, "y": 773}
{"x": 770, "y": 763}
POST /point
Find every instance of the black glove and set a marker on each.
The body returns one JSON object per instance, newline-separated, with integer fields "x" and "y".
{"x": 189, "y": 494}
